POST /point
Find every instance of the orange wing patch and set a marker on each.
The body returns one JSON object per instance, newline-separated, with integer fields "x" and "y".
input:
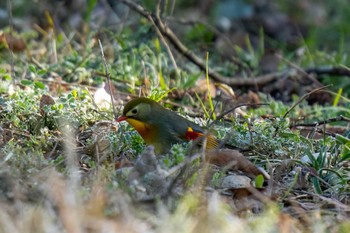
{"x": 211, "y": 140}
{"x": 191, "y": 135}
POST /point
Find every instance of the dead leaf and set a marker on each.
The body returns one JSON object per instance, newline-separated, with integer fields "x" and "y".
{"x": 233, "y": 159}
{"x": 46, "y": 100}
{"x": 11, "y": 42}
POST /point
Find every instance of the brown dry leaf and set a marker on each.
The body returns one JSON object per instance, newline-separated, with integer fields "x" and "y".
{"x": 46, "y": 100}
{"x": 233, "y": 159}
{"x": 11, "y": 42}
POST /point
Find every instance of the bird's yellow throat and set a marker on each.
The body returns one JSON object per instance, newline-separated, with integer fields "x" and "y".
{"x": 143, "y": 129}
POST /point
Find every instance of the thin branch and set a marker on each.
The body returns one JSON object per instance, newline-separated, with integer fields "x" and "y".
{"x": 298, "y": 102}
{"x": 330, "y": 120}
{"x": 299, "y": 69}
{"x": 334, "y": 71}
{"x": 316, "y": 130}
{"x": 108, "y": 78}
{"x": 302, "y": 98}
{"x": 328, "y": 200}
{"x": 218, "y": 118}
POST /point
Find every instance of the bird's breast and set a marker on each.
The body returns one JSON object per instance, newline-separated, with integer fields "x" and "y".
{"x": 146, "y": 131}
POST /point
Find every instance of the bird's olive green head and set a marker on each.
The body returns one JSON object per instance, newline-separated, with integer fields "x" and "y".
{"x": 140, "y": 109}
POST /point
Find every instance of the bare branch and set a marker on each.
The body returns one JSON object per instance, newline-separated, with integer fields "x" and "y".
{"x": 108, "y": 78}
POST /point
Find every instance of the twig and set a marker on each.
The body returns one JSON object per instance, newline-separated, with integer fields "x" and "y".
{"x": 302, "y": 98}
{"x": 328, "y": 200}
{"x": 53, "y": 149}
{"x": 298, "y": 102}
{"x": 108, "y": 78}
{"x": 320, "y": 131}
{"x": 299, "y": 69}
{"x": 330, "y": 120}
{"x": 218, "y": 118}
{"x": 24, "y": 134}
{"x": 335, "y": 71}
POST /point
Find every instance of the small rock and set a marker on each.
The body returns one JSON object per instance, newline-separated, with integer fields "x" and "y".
{"x": 235, "y": 182}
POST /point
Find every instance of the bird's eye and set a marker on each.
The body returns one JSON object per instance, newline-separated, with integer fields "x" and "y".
{"x": 134, "y": 111}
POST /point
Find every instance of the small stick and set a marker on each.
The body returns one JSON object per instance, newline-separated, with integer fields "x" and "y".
{"x": 232, "y": 109}
{"x": 108, "y": 78}
{"x": 330, "y": 120}
{"x": 302, "y": 98}
{"x": 298, "y": 102}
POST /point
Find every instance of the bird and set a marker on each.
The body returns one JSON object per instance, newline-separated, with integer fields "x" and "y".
{"x": 162, "y": 127}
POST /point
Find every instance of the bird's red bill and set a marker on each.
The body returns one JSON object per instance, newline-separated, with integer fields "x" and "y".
{"x": 122, "y": 118}
{"x": 192, "y": 135}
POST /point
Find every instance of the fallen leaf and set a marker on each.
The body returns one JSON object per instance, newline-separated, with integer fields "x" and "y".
{"x": 12, "y": 42}
{"x": 46, "y": 100}
{"x": 233, "y": 159}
